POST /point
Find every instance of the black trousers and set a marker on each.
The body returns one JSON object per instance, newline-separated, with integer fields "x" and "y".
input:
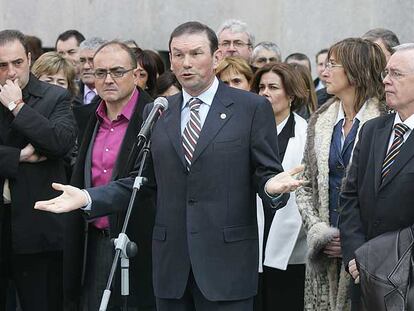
{"x": 281, "y": 289}
{"x": 193, "y": 299}
{"x": 37, "y": 277}
{"x": 98, "y": 266}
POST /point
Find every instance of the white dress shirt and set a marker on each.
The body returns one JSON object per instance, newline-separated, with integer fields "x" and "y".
{"x": 206, "y": 97}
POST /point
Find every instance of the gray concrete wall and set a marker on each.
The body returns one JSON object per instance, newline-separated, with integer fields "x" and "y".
{"x": 296, "y": 25}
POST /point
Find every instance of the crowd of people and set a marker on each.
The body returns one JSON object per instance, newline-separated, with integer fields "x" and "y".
{"x": 265, "y": 189}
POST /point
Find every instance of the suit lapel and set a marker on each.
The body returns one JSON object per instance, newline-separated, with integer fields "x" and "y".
{"x": 172, "y": 122}
{"x": 381, "y": 138}
{"x": 217, "y": 116}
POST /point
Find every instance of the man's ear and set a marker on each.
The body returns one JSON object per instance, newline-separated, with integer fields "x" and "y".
{"x": 170, "y": 56}
{"x": 217, "y": 57}
{"x": 29, "y": 57}
{"x": 135, "y": 73}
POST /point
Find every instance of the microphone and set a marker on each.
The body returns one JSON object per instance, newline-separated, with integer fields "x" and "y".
{"x": 160, "y": 104}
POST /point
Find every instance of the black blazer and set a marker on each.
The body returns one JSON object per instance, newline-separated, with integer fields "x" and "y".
{"x": 46, "y": 122}
{"x": 386, "y": 271}
{"x": 368, "y": 207}
{"x": 141, "y": 222}
{"x": 206, "y": 218}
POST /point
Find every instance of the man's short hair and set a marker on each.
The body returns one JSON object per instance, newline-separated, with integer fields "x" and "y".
{"x": 122, "y": 46}
{"x": 11, "y": 35}
{"x": 92, "y": 43}
{"x": 323, "y": 51}
{"x": 267, "y": 45}
{"x": 388, "y": 37}
{"x": 299, "y": 57}
{"x": 195, "y": 28}
{"x": 236, "y": 26}
{"x": 69, "y": 34}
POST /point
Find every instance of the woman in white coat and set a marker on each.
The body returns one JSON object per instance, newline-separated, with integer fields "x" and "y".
{"x": 283, "y": 242}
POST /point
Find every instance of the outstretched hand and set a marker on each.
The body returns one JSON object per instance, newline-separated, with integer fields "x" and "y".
{"x": 285, "y": 181}
{"x": 71, "y": 199}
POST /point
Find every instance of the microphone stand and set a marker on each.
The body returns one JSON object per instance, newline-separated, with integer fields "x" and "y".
{"x": 124, "y": 248}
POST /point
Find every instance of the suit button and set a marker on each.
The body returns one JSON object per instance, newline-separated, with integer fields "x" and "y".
{"x": 376, "y": 223}
{"x": 192, "y": 201}
{"x": 340, "y": 167}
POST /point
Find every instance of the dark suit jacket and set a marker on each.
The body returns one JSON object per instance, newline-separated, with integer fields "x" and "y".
{"x": 141, "y": 221}
{"x": 386, "y": 271}
{"x": 368, "y": 207}
{"x": 47, "y": 123}
{"x": 206, "y": 217}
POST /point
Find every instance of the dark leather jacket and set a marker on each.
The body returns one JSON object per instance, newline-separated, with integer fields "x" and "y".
{"x": 385, "y": 267}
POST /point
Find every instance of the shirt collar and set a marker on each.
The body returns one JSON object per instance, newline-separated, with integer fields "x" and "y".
{"x": 409, "y": 121}
{"x": 87, "y": 89}
{"x": 126, "y": 112}
{"x": 341, "y": 113}
{"x": 206, "y": 97}
{"x": 282, "y": 124}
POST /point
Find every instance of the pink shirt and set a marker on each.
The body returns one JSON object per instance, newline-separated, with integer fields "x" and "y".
{"x": 106, "y": 146}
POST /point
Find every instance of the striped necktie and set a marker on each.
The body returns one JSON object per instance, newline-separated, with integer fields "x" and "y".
{"x": 399, "y": 130}
{"x": 192, "y": 130}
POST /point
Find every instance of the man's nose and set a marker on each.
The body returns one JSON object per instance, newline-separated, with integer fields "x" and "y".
{"x": 187, "y": 61}
{"x": 11, "y": 71}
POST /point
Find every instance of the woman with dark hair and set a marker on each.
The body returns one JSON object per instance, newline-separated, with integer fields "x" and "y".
{"x": 282, "y": 236}
{"x": 147, "y": 72}
{"x": 167, "y": 84}
{"x": 158, "y": 61}
{"x": 311, "y": 102}
{"x": 353, "y": 76}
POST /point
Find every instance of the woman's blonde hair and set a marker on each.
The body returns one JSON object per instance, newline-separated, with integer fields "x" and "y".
{"x": 237, "y": 64}
{"x": 50, "y": 63}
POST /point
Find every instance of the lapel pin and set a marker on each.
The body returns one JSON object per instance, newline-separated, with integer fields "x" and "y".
{"x": 223, "y": 116}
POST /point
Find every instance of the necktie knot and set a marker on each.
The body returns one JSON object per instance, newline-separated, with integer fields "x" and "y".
{"x": 194, "y": 104}
{"x": 400, "y": 129}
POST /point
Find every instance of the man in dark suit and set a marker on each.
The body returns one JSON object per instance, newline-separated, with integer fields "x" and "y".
{"x": 377, "y": 196}
{"x": 120, "y": 110}
{"x": 205, "y": 244}
{"x": 36, "y": 131}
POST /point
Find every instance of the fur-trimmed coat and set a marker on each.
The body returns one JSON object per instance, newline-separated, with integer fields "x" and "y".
{"x": 326, "y": 288}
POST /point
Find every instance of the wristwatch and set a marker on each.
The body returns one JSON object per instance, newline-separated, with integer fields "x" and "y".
{"x": 14, "y": 104}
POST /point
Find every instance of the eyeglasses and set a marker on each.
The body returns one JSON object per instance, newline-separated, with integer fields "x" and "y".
{"x": 330, "y": 65}
{"x": 394, "y": 74}
{"x": 113, "y": 72}
{"x": 237, "y": 44}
